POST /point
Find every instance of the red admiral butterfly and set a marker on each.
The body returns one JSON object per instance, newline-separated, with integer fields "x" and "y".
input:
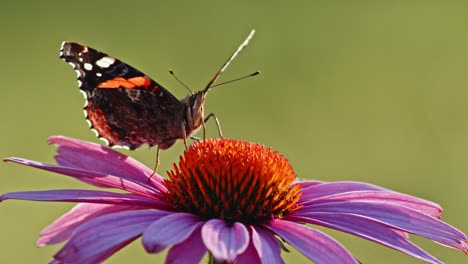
{"x": 127, "y": 108}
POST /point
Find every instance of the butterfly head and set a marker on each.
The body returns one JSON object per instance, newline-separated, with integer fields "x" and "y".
{"x": 194, "y": 112}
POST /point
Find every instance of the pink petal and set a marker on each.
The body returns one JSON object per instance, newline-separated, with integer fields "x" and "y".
{"x": 314, "y": 244}
{"x": 141, "y": 188}
{"x": 381, "y": 197}
{"x": 101, "y": 237}
{"x": 169, "y": 230}
{"x": 263, "y": 248}
{"x": 368, "y": 229}
{"x": 189, "y": 251}
{"x": 87, "y": 196}
{"x": 223, "y": 241}
{"x": 306, "y": 184}
{"x": 397, "y": 217}
{"x": 325, "y": 189}
{"x": 62, "y": 228}
{"x": 250, "y": 255}
{"x": 94, "y": 157}
{"x": 267, "y": 246}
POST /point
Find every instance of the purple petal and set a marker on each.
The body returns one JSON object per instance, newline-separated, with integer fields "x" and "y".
{"x": 250, "y": 255}
{"x": 62, "y": 228}
{"x": 169, "y": 230}
{"x": 93, "y": 177}
{"x": 101, "y": 237}
{"x": 368, "y": 229}
{"x": 308, "y": 183}
{"x": 314, "y": 244}
{"x": 94, "y": 157}
{"x": 267, "y": 246}
{"x": 325, "y": 189}
{"x": 85, "y": 196}
{"x": 397, "y": 217}
{"x": 223, "y": 241}
{"x": 190, "y": 251}
{"x": 382, "y": 197}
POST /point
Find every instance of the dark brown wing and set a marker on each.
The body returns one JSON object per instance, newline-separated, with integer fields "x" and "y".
{"x": 124, "y": 106}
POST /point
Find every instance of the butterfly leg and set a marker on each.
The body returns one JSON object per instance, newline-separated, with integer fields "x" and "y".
{"x": 218, "y": 126}
{"x": 184, "y": 136}
{"x": 155, "y": 166}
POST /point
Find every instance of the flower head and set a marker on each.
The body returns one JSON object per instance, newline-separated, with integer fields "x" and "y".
{"x": 231, "y": 199}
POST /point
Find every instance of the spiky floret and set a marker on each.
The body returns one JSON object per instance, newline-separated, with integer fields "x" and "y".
{"x": 233, "y": 180}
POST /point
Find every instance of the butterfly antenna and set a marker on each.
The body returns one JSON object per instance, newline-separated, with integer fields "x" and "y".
{"x": 183, "y": 84}
{"x": 226, "y": 64}
{"x": 237, "y": 79}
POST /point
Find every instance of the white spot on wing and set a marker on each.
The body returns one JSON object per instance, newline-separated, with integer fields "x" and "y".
{"x": 85, "y": 95}
{"x": 80, "y": 59}
{"x": 121, "y": 147}
{"x": 88, "y": 66}
{"x": 72, "y": 64}
{"x": 105, "y": 62}
{"x": 105, "y": 140}
{"x": 95, "y": 132}
{"x": 89, "y": 122}
{"x": 98, "y": 74}
{"x": 79, "y": 83}
{"x": 78, "y": 72}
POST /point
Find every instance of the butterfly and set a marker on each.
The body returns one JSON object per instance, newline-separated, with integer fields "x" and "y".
{"x": 127, "y": 108}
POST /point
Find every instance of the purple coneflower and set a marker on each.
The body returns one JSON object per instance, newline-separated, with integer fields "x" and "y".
{"x": 232, "y": 199}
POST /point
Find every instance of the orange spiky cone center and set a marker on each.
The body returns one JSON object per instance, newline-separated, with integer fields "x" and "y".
{"x": 233, "y": 180}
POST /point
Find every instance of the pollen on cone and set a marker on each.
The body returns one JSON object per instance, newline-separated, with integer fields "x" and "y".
{"x": 233, "y": 180}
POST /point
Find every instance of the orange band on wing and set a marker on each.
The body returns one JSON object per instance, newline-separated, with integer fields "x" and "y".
{"x": 119, "y": 82}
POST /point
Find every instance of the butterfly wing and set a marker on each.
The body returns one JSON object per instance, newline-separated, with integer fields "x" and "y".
{"x": 123, "y": 105}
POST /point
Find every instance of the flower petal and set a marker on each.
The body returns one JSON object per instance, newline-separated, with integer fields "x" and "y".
{"x": 190, "y": 251}
{"x": 91, "y": 177}
{"x": 101, "y": 237}
{"x": 368, "y": 229}
{"x": 169, "y": 230}
{"x": 87, "y": 196}
{"x": 398, "y": 217}
{"x": 314, "y": 244}
{"x": 223, "y": 241}
{"x": 382, "y": 197}
{"x": 263, "y": 248}
{"x": 329, "y": 188}
{"x": 94, "y": 157}
{"x": 250, "y": 255}
{"x": 62, "y": 228}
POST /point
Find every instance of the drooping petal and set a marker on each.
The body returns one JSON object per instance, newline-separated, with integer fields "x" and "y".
{"x": 223, "y": 241}
{"x": 329, "y": 188}
{"x": 308, "y": 183}
{"x": 62, "y": 228}
{"x": 314, "y": 244}
{"x": 267, "y": 246}
{"x": 382, "y": 197}
{"x": 94, "y": 157}
{"x": 398, "y": 217}
{"x": 84, "y": 196}
{"x": 169, "y": 230}
{"x": 368, "y": 229}
{"x": 91, "y": 177}
{"x": 190, "y": 251}
{"x": 250, "y": 255}
{"x": 101, "y": 237}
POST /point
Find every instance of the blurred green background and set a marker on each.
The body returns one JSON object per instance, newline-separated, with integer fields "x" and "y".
{"x": 362, "y": 91}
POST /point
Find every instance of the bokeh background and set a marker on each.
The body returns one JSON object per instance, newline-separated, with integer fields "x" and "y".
{"x": 350, "y": 90}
